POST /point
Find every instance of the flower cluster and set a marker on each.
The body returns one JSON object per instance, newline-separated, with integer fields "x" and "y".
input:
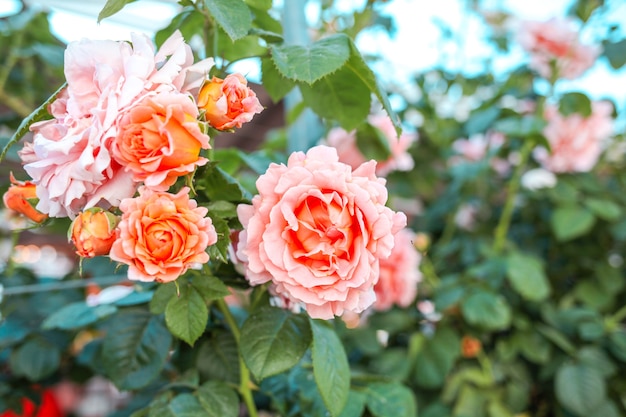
{"x": 129, "y": 120}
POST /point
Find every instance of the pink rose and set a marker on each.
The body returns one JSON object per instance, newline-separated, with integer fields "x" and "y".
{"x": 399, "y": 274}
{"x": 159, "y": 140}
{"x": 162, "y": 235}
{"x": 575, "y": 141}
{"x": 349, "y": 153}
{"x": 228, "y": 103}
{"x": 318, "y": 230}
{"x": 556, "y": 42}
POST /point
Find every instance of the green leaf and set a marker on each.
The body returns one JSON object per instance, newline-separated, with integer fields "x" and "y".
{"x": 218, "y": 400}
{"x": 580, "y": 388}
{"x": 218, "y": 357}
{"x": 487, "y": 310}
{"x": 259, "y": 4}
{"x": 210, "y": 288}
{"x": 162, "y": 297}
{"x": 111, "y": 7}
{"x": 219, "y": 185}
{"x": 527, "y": 276}
{"x": 355, "y": 406}
{"x": 35, "y": 359}
{"x": 273, "y": 340}
{"x": 330, "y": 367}
{"x": 575, "y": 102}
{"x": 310, "y": 63}
{"x": 39, "y": 114}
{"x": 436, "y": 357}
{"x": 276, "y": 85}
{"x": 481, "y": 120}
{"x": 219, "y": 250}
{"x": 570, "y": 222}
{"x": 359, "y": 68}
{"x": 372, "y": 143}
{"x": 186, "y": 316}
{"x": 390, "y": 399}
{"x": 135, "y": 348}
{"x": 617, "y": 344}
{"x": 77, "y": 315}
{"x": 595, "y": 357}
{"x": 521, "y": 127}
{"x": 340, "y": 97}
{"x": 615, "y": 52}
{"x": 605, "y": 209}
{"x": 186, "y": 405}
{"x": 233, "y": 16}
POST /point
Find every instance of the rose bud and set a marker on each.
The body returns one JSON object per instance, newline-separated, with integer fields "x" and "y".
{"x": 22, "y": 198}
{"x": 228, "y": 103}
{"x": 93, "y": 232}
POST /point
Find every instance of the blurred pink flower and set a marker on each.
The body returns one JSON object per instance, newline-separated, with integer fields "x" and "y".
{"x": 399, "y": 274}
{"x": 477, "y": 147}
{"x": 349, "y": 153}
{"x": 318, "y": 230}
{"x": 575, "y": 141}
{"x": 556, "y": 42}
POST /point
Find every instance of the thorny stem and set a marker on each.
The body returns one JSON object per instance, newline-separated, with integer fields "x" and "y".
{"x": 244, "y": 376}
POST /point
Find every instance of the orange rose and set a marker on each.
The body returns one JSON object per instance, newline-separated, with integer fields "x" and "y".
{"x": 21, "y": 197}
{"x": 93, "y": 232}
{"x": 160, "y": 140}
{"x": 228, "y": 103}
{"x": 162, "y": 235}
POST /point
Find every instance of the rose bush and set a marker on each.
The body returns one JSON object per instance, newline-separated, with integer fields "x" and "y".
{"x": 334, "y": 264}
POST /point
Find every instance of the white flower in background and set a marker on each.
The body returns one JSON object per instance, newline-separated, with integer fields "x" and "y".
{"x": 538, "y": 178}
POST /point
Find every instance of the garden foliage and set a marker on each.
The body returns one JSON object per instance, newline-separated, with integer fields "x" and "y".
{"x": 506, "y": 297}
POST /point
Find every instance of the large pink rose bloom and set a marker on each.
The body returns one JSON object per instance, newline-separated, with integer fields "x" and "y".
{"x": 70, "y": 158}
{"x": 349, "y": 153}
{"x": 555, "y": 43}
{"x": 399, "y": 274}
{"x": 162, "y": 235}
{"x": 575, "y": 141}
{"x": 318, "y": 230}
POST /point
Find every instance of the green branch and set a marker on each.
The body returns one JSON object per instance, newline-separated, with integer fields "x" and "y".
{"x": 244, "y": 375}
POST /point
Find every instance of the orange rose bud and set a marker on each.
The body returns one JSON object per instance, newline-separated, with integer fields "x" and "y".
{"x": 470, "y": 347}
{"x": 228, "y": 103}
{"x": 21, "y": 197}
{"x": 93, "y": 232}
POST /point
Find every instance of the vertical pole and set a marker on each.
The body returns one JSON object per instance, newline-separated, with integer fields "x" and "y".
{"x": 306, "y": 130}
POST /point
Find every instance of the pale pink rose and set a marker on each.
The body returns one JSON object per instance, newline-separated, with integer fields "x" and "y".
{"x": 72, "y": 169}
{"x": 70, "y": 158}
{"x": 576, "y": 142}
{"x": 318, "y": 230}
{"x": 399, "y": 274}
{"x": 555, "y": 42}
{"x": 349, "y": 153}
{"x": 228, "y": 102}
{"x": 159, "y": 140}
{"x": 162, "y": 235}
